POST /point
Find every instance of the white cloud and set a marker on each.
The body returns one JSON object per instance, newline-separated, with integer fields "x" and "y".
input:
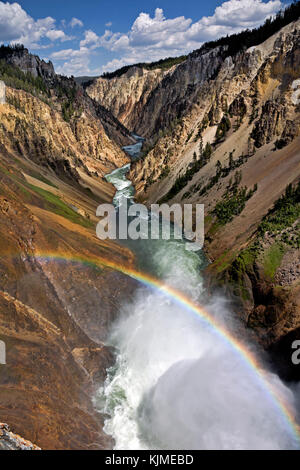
{"x": 77, "y": 65}
{"x": 76, "y": 22}
{"x": 180, "y": 35}
{"x": 115, "y": 64}
{"x": 231, "y": 17}
{"x": 90, "y": 39}
{"x": 17, "y": 26}
{"x": 153, "y": 38}
{"x": 147, "y": 31}
{"x": 67, "y": 53}
{"x": 55, "y": 34}
{"x": 75, "y": 62}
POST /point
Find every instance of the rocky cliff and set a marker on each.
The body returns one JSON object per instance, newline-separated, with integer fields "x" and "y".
{"x": 126, "y": 96}
{"x": 147, "y": 101}
{"x": 37, "y": 129}
{"x": 57, "y": 294}
{"x": 247, "y": 105}
{"x": 11, "y": 441}
{"x": 19, "y": 56}
{"x": 55, "y": 307}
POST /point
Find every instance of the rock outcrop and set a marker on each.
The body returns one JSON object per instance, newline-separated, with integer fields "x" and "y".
{"x": 11, "y": 441}
{"x": 147, "y": 101}
{"x": 57, "y": 300}
{"x": 32, "y": 127}
{"x": 267, "y": 113}
{"x": 20, "y": 57}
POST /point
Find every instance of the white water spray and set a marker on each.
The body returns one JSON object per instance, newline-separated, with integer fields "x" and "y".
{"x": 175, "y": 384}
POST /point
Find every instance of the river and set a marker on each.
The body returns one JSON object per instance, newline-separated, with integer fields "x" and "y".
{"x": 178, "y": 382}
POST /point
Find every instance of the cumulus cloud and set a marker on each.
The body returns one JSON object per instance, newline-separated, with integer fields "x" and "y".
{"x": 76, "y": 65}
{"x": 160, "y": 37}
{"x": 55, "y": 34}
{"x": 75, "y": 62}
{"x": 17, "y": 26}
{"x": 231, "y": 17}
{"x": 153, "y": 38}
{"x": 90, "y": 39}
{"x": 76, "y": 22}
{"x": 149, "y": 39}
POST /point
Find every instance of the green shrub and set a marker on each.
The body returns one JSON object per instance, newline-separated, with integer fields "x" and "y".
{"x": 232, "y": 204}
{"x": 223, "y": 128}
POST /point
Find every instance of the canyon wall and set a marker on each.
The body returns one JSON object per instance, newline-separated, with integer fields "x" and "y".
{"x": 126, "y": 96}
{"x": 57, "y": 296}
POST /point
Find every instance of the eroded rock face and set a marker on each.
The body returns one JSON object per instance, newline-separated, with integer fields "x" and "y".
{"x": 126, "y": 96}
{"x": 254, "y": 87}
{"x": 271, "y": 123}
{"x": 11, "y": 441}
{"x": 55, "y": 311}
{"x": 147, "y": 101}
{"x": 58, "y": 298}
{"x": 177, "y": 91}
{"x": 30, "y": 126}
{"x": 56, "y": 122}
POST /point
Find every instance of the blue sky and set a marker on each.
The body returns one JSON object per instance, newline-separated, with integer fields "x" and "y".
{"x": 91, "y": 37}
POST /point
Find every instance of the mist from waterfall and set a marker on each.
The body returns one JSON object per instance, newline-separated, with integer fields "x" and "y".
{"x": 176, "y": 384}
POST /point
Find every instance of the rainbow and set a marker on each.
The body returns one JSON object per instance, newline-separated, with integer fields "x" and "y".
{"x": 248, "y": 358}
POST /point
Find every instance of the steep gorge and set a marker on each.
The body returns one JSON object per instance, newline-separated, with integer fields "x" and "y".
{"x": 215, "y": 125}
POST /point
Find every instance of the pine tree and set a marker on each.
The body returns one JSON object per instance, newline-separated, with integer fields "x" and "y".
{"x": 231, "y": 161}
{"x": 218, "y": 167}
{"x": 207, "y": 152}
{"x": 201, "y": 146}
